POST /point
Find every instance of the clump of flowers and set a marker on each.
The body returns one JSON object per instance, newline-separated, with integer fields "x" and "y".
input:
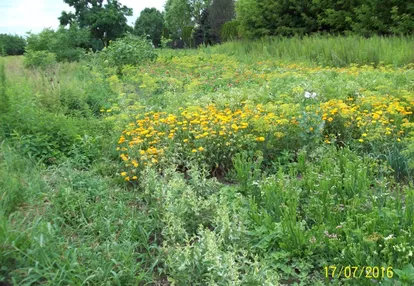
{"x": 212, "y": 136}
{"x": 375, "y": 119}
{"x": 207, "y": 135}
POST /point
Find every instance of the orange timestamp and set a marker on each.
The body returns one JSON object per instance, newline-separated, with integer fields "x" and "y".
{"x": 348, "y": 272}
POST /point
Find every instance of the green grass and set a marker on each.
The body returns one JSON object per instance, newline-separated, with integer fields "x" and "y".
{"x": 63, "y": 225}
{"x": 63, "y": 219}
{"x": 67, "y": 217}
{"x": 326, "y": 51}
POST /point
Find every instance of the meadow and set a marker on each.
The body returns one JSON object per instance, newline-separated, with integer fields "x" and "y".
{"x": 247, "y": 163}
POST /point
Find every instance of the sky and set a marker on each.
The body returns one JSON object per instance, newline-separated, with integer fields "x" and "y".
{"x": 21, "y": 16}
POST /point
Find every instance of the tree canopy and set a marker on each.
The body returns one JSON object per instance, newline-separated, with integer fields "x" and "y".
{"x": 300, "y": 17}
{"x": 150, "y": 23}
{"x": 12, "y": 45}
{"x": 68, "y": 44}
{"x": 177, "y": 16}
{"x": 106, "y": 22}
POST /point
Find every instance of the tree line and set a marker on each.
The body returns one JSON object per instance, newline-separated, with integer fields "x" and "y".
{"x": 190, "y": 23}
{"x": 11, "y": 45}
{"x": 258, "y": 18}
{"x": 194, "y": 22}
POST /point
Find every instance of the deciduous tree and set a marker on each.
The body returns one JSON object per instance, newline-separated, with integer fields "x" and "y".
{"x": 220, "y": 12}
{"x": 106, "y": 22}
{"x": 177, "y": 16}
{"x": 150, "y": 23}
{"x": 11, "y": 45}
{"x": 299, "y": 17}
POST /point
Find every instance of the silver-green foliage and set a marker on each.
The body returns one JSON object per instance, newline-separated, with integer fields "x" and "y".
{"x": 204, "y": 231}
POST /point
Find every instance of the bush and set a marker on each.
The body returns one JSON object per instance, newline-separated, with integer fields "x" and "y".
{"x": 39, "y": 59}
{"x": 229, "y": 31}
{"x": 66, "y": 44}
{"x": 130, "y": 50}
{"x": 187, "y": 38}
{"x": 11, "y": 45}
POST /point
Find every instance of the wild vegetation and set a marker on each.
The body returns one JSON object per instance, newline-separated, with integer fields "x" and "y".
{"x": 283, "y": 156}
{"x": 11, "y": 45}
{"x": 223, "y": 165}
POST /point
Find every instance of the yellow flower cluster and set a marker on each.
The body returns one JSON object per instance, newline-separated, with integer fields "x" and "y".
{"x": 204, "y": 132}
{"x": 375, "y": 117}
{"x": 211, "y": 134}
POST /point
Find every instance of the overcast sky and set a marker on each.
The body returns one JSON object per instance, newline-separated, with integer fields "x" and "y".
{"x": 21, "y": 16}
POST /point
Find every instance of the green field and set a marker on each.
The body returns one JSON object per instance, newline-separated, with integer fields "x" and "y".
{"x": 247, "y": 163}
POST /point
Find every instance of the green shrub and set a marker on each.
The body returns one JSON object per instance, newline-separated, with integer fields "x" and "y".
{"x": 50, "y": 138}
{"x": 39, "y": 59}
{"x": 130, "y": 50}
{"x": 66, "y": 44}
{"x": 230, "y": 31}
{"x": 11, "y": 45}
{"x": 187, "y": 38}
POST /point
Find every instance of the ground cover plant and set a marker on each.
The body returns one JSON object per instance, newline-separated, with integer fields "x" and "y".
{"x": 216, "y": 166}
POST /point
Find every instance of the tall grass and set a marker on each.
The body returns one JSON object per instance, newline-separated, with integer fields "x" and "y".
{"x": 330, "y": 51}
{"x": 65, "y": 223}
{"x": 3, "y": 98}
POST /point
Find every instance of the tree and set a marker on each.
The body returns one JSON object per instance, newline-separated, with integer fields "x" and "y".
{"x": 335, "y": 16}
{"x": 229, "y": 31}
{"x": 204, "y": 34}
{"x": 248, "y": 15}
{"x": 259, "y": 18}
{"x": 197, "y": 8}
{"x": 11, "y": 45}
{"x": 106, "y": 22}
{"x": 221, "y": 11}
{"x": 384, "y": 17}
{"x": 177, "y": 16}
{"x": 150, "y": 22}
{"x": 66, "y": 44}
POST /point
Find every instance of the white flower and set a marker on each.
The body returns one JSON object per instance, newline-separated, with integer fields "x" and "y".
{"x": 310, "y": 95}
{"x": 389, "y": 237}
